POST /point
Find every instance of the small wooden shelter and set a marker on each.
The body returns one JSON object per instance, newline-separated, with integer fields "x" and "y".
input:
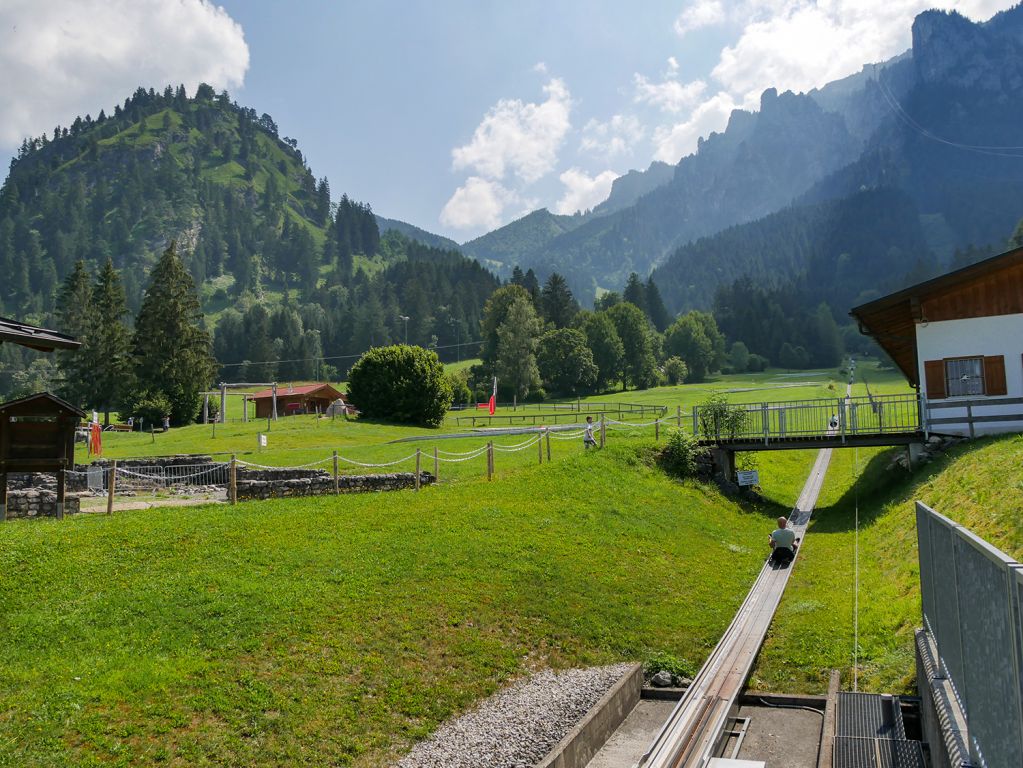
{"x": 33, "y": 337}
{"x": 310, "y": 398}
{"x": 37, "y": 434}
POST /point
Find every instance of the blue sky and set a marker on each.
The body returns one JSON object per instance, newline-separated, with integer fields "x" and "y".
{"x": 456, "y": 116}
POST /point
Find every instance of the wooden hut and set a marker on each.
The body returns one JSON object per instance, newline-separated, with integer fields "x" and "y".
{"x": 291, "y": 401}
{"x": 37, "y": 434}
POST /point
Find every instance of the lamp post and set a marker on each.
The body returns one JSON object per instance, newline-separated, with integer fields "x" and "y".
{"x": 458, "y": 351}
{"x": 405, "y": 318}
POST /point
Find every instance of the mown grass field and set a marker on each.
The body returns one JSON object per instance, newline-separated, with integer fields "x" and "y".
{"x": 335, "y": 631}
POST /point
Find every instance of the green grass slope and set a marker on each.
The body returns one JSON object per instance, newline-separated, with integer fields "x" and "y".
{"x": 336, "y": 631}
{"x": 976, "y": 484}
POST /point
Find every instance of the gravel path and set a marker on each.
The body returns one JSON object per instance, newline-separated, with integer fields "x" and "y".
{"x": 516, "y": 727}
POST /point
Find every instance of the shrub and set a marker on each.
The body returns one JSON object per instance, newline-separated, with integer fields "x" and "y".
{"x": 400, "y": 383}
{"x": 679, "y": 668}
{"x": 147, "y": 408}
{"x": 675, "y": 370}
{"x": 719, "y": 419}
{"x": 757, "y": 363}
{"x": 679, "y": 456}
{"x": 459, "y": 383}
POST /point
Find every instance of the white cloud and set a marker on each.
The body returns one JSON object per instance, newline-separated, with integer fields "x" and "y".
{"x": 614, "y": 138}
{"x": 669, "y": 95}
{"x": 478, "y": 204}
{"x": 702, "y": 13}
{"x": 675, "y": 141}
{"x": 583, "y": 191}
{"x": 65, "y": 58}
{"x": 518, "y": 138}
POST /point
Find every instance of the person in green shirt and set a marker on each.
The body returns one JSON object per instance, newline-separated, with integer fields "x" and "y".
{"x": 783, "y": 543}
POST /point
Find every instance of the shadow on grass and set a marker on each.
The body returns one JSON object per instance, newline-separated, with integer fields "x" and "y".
{"x": 879, "y": 485}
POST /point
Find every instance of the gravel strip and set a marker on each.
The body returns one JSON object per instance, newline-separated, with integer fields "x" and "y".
{"x": 518, "y": 726}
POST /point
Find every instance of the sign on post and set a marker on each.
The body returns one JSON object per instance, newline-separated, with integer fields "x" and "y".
{"x": 262, "y": 440}
{"x": 748, "y": 477}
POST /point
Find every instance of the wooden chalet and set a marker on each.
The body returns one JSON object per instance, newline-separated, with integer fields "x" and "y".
{"x": 958, "y": 339}
{"x": 291, "y": 401}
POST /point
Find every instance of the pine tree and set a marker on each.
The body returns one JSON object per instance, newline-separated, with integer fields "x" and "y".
{"x": 655, "y": 309}
{"x": 516, "y": 348}
{"x": 108, "y": 352}
{"x": 635, "y": 293}
{"x": 559, "y": 306}
{"x": 173, "y": 351}
{"x": 74, "y": 317}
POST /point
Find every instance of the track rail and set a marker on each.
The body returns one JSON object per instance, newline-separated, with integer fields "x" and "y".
{"x": 691, "y": 733}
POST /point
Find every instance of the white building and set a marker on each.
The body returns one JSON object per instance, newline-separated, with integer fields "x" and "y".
{"x": 959, "y": 340}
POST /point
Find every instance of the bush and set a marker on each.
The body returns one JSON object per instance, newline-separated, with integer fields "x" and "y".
{"x": 719, "y": 419}
{"x": 147, "y": 408}
{"x": 675, "y": 370}
{"x": 460, "y": 392}
{"x": 400, "y": 383}
{"x": 679, "y": 456}
{"x": 757, "y": 363}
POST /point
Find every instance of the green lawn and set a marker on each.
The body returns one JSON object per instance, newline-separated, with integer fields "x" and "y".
{"x": 335, "y": 631}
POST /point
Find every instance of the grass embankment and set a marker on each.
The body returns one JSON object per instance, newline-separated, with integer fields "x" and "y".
{"x": 335, "y": 631}
{"x": 977, "y": 484}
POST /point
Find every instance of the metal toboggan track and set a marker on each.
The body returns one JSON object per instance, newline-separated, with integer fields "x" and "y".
{"x": 691, "y": 733}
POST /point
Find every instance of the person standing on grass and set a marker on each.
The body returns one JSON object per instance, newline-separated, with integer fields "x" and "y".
{"x": 588, "y": 441}
{"x": 783, "y": 543}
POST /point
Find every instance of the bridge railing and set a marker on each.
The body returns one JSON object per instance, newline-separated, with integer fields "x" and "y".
{"x": 870, "y": 415}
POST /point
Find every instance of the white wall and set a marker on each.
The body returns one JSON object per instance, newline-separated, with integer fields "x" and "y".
{"x": 973, "y": 337}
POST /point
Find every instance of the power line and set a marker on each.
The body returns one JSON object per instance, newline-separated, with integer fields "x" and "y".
{"x": 338, "y": 357}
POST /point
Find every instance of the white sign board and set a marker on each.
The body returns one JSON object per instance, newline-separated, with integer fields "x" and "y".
{"x": 749, "y": 477}
{"x": 262, "y": 440}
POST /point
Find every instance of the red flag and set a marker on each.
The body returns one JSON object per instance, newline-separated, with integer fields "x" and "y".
{"x": 493, "y": 398}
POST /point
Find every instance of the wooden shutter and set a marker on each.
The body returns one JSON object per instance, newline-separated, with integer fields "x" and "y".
{"x": 934, "y": 375}
{"x": 994, "y": 375}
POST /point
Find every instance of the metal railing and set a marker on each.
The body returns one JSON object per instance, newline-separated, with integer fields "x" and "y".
{"x": 838, "y": 417}
{"x": 972, "y": 601}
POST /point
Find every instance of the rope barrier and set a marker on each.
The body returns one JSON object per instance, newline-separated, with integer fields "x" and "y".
{"x": 327, "y": 460}
{"x": 519, "y": 446}
{"x": 388, "y": 464}
{"x": 476, "y": 455}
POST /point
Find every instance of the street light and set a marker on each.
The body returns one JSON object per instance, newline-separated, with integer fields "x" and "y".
{"x": 458, "y": 351}
{"x": 405, "y": 318}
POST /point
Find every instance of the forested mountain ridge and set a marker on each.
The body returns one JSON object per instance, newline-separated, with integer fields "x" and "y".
{"x": 309, "y": 279}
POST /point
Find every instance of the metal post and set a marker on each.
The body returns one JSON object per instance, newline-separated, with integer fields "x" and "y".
{"x": 678, "y": 416}
{"x": 419, "y": 464}
{"x": 766, "y": 418}
{"x": 273, "y": 393}
{"x": 223, "y": 403}
{"x": 539, "y": 448}
{"x": 842, "y": 416}
{"x": 232, "y": 488}
{"x": 436, "y": 465}
{"x": 111, "y": 485}
{"x": 245, "y": 407}
{"x": 337, "y": 488}
{"x": 547, "y": 434}
{"x": 206, "y": 408}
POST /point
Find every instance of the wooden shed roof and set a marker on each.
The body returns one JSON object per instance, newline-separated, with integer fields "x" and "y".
{"x": 990, "y": 287}
{"x": 42, "y": 399}
{"x": 320, "y": 390}
{"x": 33, "y": 337}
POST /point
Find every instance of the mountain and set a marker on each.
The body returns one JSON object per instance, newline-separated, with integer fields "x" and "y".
{"x": 938, "y": 123}
{"x": 413, "y": 232}
{"x": 628, "y": 188}
{"x": 283, "y": 271}
{"x": 530, "y": 234}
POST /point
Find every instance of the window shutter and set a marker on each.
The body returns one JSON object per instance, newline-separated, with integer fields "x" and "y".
{"x": 934, "y": 374}
{"x": 994, "y": 375}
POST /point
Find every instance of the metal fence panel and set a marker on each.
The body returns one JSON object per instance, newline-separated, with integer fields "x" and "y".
{"x": 945, "y": 621}
{"x": 927, "y": 594}
{"x": 984, "y": 575}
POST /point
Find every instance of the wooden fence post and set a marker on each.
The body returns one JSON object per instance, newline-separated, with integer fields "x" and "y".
{"x": 232, "y": 485}
{"x": 539, "y": 448}
{"x": 111, "y": 485}
{"x": 490, "y": 460}
{"x": 657, "y": 429}
{"x": 547, "y": 434}
{"x": 678, "y": 416}
{"x": 419, "y": 460}
{"x": 337, "y": 483}
{"x": 436, "y": 465}
{"x": 603, "y": 431}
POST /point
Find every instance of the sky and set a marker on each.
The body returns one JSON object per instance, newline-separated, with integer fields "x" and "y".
{"x": 457, "y": 116}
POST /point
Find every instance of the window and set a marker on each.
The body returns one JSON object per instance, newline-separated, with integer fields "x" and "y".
{"x": 964, "y": 376}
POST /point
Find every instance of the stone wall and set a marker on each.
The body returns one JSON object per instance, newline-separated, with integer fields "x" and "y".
{"x": 36, "y": 502}
{"x": 322, "y": 483}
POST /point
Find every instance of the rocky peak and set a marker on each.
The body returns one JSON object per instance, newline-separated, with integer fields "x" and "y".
{"x": 951, "y": 50}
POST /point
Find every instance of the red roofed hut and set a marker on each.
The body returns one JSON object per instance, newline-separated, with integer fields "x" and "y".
{"x": 310, "y": 398}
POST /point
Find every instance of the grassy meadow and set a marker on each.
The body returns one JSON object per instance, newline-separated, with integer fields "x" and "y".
{"x": 339, "y": 630}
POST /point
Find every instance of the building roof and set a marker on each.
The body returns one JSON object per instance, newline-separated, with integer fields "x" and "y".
{"x": 33, "y": 337}
{"x": 990, "y": 287}
{"x": 320, "y": 390}
{"x": 14, "y": 405}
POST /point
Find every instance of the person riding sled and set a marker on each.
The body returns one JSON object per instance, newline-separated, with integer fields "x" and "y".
{"x": 783, "y": 543}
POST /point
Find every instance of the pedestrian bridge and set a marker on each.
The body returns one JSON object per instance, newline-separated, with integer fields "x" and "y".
{"x": 822, "y": 423}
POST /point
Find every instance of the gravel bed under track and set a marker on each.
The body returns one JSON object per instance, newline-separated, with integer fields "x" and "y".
{"x": 518, "y": 726}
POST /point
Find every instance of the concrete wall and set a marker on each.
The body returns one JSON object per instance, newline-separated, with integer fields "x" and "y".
{"x": 975, "y": 337}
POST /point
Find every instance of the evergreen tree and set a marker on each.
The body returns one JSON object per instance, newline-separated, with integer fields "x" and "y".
{"x": 559, "y": 306}
{"x": 173, "y": 351}
{"x": 606, "y": 346}
{"x": 635, "y": 292}
{"x": 516, "y": 350}
{"x": 655, "y": 309}
{"x": 74, "y": 317}
{"x": 494, "y": 313}
{"x": 108, "y": 353}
